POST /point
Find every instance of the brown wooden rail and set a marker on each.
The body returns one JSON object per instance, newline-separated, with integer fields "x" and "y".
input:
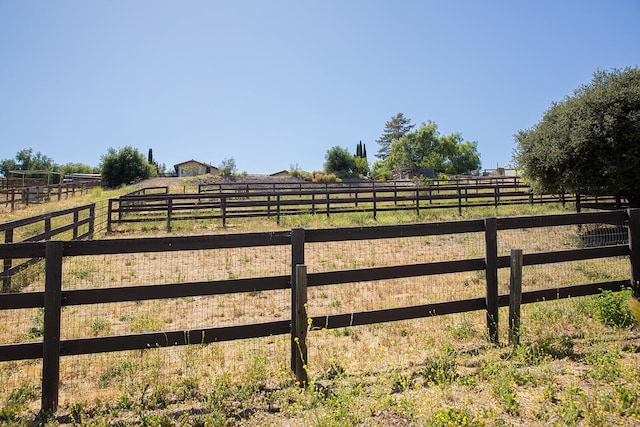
{"x": 79, "y": 220}
{"x": 326, "y": 200}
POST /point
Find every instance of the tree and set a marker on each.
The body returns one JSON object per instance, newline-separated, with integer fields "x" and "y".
{"x": 394, "y": 129}
{"x": 464, "y": 158}
{"x": 425, "y": 148}
{"x": 228, "y": 167}
{"x": 340, "y": 162}
{"x": 589, "y": 142}
{"x": 26, "y": 160}
{"x": 361, "y": 150}
{"x": 125, "y": 166}
{"x": 360, "y": 167}
{"x": 68, "y": 168}
{"x": 380, "y": 170}
{"x": 7, "y": 165}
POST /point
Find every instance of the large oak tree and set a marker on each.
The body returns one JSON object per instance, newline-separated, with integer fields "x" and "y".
{"x": 588, "y": 143}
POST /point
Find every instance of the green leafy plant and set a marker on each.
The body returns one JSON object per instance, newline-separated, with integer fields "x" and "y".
{"x": 612, "y": 309}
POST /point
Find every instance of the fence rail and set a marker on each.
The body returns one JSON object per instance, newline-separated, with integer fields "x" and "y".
{"x": 31, "y": 194}
{"x": 54, "y": 298}
{"x": 327, "y": 200}
{"x": 79, "y": 220}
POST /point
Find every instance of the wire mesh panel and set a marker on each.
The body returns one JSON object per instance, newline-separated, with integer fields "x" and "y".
{"x": 563, "y": 238}
{"x": 401, "y": 292}
{"x": 156, "y": 377}
{"x": 22, "y": 326}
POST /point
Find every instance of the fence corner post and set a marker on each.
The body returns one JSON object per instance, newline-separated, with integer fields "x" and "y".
{"x": 491, "y": 275}
{"x": 51, "y": 340}
{"x": 634, "y": 249}
{"x": 300, "y": 332}
{"x": 515, "y": 296}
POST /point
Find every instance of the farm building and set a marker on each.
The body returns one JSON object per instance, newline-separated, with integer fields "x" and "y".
{"x": 193, "y": 168}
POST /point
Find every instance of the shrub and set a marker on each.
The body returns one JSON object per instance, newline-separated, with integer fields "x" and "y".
{"x": 612, "y": 309}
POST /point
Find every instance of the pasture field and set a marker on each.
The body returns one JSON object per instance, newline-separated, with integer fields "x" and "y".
{"x": 578, "y": 362}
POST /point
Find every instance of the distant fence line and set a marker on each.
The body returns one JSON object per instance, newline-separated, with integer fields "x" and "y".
{"x": 15, "y": 195}
{"x": 274, "y": 200}
{"x": 77, "y": 223}
{"x": 54, "y": 297}
{"x": 286, "y": 185}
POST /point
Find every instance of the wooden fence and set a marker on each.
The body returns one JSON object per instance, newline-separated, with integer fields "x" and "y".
{"x": 41, "y": 228}
{"x": 287, "y": 185}
{"x": 32, "y": 194}
{"x": 54, "y": 298}
{"x": 327, "y": 200}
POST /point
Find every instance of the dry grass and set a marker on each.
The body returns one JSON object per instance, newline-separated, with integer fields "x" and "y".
{"x": 570, "y": 370}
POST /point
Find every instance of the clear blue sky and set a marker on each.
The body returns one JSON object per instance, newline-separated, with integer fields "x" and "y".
{"x": 273, "y": 84}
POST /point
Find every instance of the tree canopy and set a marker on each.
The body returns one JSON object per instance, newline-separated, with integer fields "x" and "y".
{"x": 339, "y": 161}
{"x": 425, "y": 148}
{"x": 25, "y": 160}
{"x": 125, "y": 166}
{"x": 589, "y": 142}
{"x": 394, "y": 129}
{"x": 228, "y": 166}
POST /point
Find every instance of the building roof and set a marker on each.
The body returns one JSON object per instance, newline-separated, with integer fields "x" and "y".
{"x": 195, "y": 161}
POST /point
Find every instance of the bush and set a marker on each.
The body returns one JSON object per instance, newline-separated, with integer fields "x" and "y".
{"x": 612, "y": 309}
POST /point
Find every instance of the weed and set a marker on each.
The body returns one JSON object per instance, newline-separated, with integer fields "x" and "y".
{"x": 570, "y": 409}
{"x": 545, "y": 348}
{"x": 453, "y": 417}
{"x": 16, "y": 404}
{"x": 612, "y": 309}
{"x": 100, "y": 325}
{"x": 400, "y": 381}
{"x": 146, "y": 323}
{"x": 440, "y": 369}
{"x": 508, "y": 398}
{"x": 117, "y": 372}
{"x": 605, "y": 364}
{"x": 463, "y": 330}
{"x": 37, "y": 330}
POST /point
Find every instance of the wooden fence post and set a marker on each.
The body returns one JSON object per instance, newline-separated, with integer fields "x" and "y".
{"x": 491, "y": 274}
{"x": 634, "y": 249}
{"x": 299, "y": 312}
{"x": 169, "y": 213}
{"x": 278, "y": 209}
{"x": 76, "y": 218}
{"x": 459, "y": 202}
{"x": 297, "y": 258}
{"x": 51, "y": 341}
{"x": 47, "y": 228}
{"x": 375, "y": 207}
{"x": 515, "y": 296}
{"x": 269, "y": 203}
{"x": 328, "y": 202}
{"x": 6, "y": 281}
{"x": 223, "y": 209}
{"x": 109, "y": 210}
{"x": 92, "y": 219}
{"x": 578, "y": 204}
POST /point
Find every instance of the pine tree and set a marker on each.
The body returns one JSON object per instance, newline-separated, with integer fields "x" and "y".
{"x": 394, "y": 129}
